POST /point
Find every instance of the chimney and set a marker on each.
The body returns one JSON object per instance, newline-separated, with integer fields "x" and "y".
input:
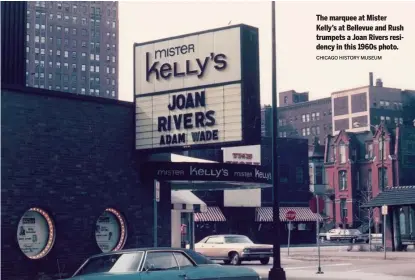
{"x": 371, "y": 79}
{"x": 379, "y": 83}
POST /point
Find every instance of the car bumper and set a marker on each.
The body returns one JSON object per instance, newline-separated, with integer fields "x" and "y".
{"x": 255, "y": 256}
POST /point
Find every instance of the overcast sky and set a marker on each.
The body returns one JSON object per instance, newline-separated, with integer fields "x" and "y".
{"x": 297, "y": 68}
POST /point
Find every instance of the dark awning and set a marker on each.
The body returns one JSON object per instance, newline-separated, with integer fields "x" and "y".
{"x": 401, "y": 196}
{"x": 303, "y": 214}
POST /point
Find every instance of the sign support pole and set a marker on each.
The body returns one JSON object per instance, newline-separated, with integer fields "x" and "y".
{"x": 384, "y": 213}
{"x": 276, "y": 272}
{"x": 155, "y": 214}
{"x": 289, "y": 236}
{"x": 317, "y": 236}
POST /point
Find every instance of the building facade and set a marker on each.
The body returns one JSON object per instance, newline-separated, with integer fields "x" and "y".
{"x": 355, "y": 170}
{"x": 72, "y": 46}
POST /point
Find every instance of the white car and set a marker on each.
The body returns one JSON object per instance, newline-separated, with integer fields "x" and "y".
{"x": 233, "y": 249}
{"x": 338, "y": 234}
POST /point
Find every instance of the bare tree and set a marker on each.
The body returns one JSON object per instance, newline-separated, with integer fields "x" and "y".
{"x": 366, "y": 215}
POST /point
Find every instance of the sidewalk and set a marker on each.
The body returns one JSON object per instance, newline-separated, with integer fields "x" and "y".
{"x": 343, "y": 255}
{"x": 311, "y": 275}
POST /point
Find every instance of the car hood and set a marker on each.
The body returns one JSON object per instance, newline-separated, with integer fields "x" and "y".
{"x": 262, "y": 246}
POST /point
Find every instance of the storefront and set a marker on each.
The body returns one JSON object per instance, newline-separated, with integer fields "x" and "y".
{"x": 400, "y": 218}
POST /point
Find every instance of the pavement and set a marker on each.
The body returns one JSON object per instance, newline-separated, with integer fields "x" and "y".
{"x": 338, "y": 263}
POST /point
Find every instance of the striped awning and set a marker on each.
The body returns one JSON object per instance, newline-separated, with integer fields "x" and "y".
{"x": 187, "y": 201}
{"x": 213, "y": 214}
{"x": 303, "y": 214}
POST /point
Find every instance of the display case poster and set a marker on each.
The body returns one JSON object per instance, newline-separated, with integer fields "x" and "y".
{"x": 32, "y": 233}
{"x": 107, "y": 232}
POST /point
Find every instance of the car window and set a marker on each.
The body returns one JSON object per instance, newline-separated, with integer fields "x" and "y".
{"x": 214, "y": 240}
{"x": 182, "y": 260}
{"x": 237, "y": 239}
{"x": 126, "y": 262}
{"x": 160, "y": 261}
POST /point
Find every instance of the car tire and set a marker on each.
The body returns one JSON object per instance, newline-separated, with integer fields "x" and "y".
{"x": 264, "y": 261}
{"x": 226, "y": 261}
{"x": 235, "y": 259}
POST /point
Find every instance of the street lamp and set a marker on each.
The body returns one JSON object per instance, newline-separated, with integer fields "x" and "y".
{"x": 276, "y": 272}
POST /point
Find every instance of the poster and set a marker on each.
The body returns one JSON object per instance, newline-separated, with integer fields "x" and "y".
{"x": 107, "y": 232}
{"x": 32, "y": 233}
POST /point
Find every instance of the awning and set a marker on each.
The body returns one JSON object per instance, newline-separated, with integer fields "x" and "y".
{"x": 395, "y": 196}
{"x": 213, "y": 214}
{"x": 186, "y": 200}
{"x": 303, "y": 214}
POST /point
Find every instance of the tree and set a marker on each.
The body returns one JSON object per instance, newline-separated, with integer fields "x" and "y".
{"x": 366, "y": 215}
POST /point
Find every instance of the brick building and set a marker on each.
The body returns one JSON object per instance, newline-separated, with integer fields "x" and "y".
{"x": 72, "y": 46}
{"x": 353, "y": 163}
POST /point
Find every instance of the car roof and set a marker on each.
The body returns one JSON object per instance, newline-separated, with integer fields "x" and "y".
{"x": 140, "y": 250}
{"x": 227, "y": 235}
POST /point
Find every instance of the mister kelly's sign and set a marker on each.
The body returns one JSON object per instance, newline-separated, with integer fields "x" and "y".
{"x": 191, "y": 171}
{"x": 198, "y": 89}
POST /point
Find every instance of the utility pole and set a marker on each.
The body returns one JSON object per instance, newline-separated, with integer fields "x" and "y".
{"x": 276, "y": 272}
{"x": 382, "y": 136}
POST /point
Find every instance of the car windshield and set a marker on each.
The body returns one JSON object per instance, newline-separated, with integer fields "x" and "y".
{"x": 122, "y": 262}
{"x": 237, "y": 239}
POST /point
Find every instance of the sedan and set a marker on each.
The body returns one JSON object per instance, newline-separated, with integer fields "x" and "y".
{"x": 158, "y": 263}
{"x": 233, "y": 249}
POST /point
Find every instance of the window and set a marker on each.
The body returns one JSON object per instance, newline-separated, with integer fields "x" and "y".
{"x": 66, "y": 54}
{"x": 59, "y": 16}
{"x": 388, "y": 119}
{"x": 28, "y": 25}
{"x": 396, "y": 120}
{"x": 319, "y": 175}
{"x": 66, "y": 65}
{"x": 97, "y": 69}
{"x": 369, "y": 180}
{"x": 113, "y": 70}
{"x": 317, "y": 130}
{"x": 27, "y": 49}
{"x": 113, "y": 24}
{"x": 127, "y": 262}
{"x": 27, "y": 38}
{"x": 108, "y": 70}
{"x": 317, "y": 116}
{"x": 66, "y": 30}
{"x": 385, "y": 177}
{"x": 74, "y": 31}
{"x": 343, "y": 209}
{"x": 160, "y": 261}
{"x": 91, "y": 56}
{"x": 313, "y": 116}
{"x": 108, "y": 58}
{"x": 37, "y": 39}
{"x": 182, "y": 260}
{"x": 58, "y": 65}
{"x": 113, "y": 93}
{"x": 58, "y": 28}
{"x": 299, "y": 175}
{"x": 382, "y": 148}
{"x": 37, "y": 26}
{"x": 358, "y": 180}
{"x": 342, "y": 180}
{"x": 74, "y": 43}
{"x": 97, "y": 92}
{"x": 83, "y": 54}
{"x": 113, "y": 58}
{"x": 82, "y": 91}
{"x": 97, "y": 57}
{"x": 108, "y": 81}
{"x": 113, "y": 82}
{"x": 58, "y": 52}
{"x": 43, "y": 27}
{"x": 91, "y": 91}
{"x": 91, "y": 68}
{"x": 74, "y": 20}
{"x": 308, "y": 117}
{"x": 342, "y": 151}
{"x": 400, "y": 120}
{"x": 84, "y": 32}
{"x": 369, "y": 150}
{"x": 66, "y": 18}
{"x": 83, "y": 44}
{"x": 83, "y": 67}
{"x": 308, "y": 131}
{"x": 50, "y": 76}
{"x": 83, "y": 21}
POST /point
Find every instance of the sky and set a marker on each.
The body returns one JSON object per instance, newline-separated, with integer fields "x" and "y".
{"x": 297, "y": 67}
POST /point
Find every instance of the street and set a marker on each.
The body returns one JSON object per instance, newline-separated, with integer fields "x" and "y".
{"x": 337, "y": 263}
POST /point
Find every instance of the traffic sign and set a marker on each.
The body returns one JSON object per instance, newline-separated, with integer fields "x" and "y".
{"x": 385, "y": 210}
{"x": 290, "y": 215}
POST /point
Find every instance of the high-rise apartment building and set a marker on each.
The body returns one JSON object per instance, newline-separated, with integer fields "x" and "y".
{"x": 72, "y": 46}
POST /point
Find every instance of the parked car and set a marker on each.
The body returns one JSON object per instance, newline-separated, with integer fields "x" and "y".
{"x": 233, "y": 249}
{"x": 158, "y": 263}
{"x": 338, "y": 234}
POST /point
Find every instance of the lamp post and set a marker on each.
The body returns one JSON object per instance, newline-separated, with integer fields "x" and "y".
{"x": 276, "y": 272}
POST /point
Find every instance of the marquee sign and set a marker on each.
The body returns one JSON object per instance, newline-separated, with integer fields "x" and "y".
{"x": 198, "y": 89}
{"x": 194, "y": 171}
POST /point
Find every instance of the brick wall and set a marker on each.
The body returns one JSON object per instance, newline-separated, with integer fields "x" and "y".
{"x": 73, "y": 157}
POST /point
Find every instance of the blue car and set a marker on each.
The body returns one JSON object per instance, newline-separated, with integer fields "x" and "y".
{"x": 158, "y": 263}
